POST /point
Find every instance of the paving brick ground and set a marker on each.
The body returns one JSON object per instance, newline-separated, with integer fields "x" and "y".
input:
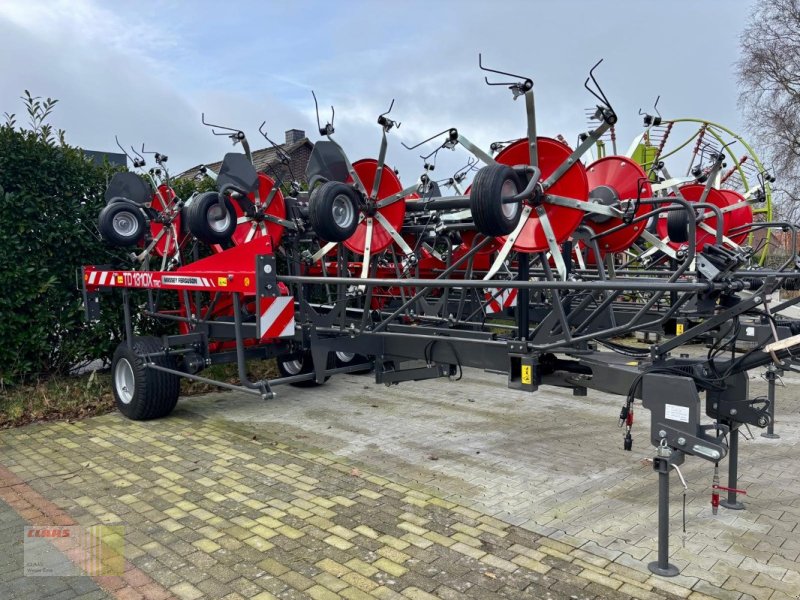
{"x": 445, "y": 490}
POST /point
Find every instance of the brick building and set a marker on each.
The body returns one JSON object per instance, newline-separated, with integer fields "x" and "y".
{"x": 297, "y": 147}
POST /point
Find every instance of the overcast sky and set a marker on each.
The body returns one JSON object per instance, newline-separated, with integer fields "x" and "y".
{"x": 146, "y": 70}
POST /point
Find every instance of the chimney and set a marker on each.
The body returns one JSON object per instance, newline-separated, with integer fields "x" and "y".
{"x": 294, "y": 135}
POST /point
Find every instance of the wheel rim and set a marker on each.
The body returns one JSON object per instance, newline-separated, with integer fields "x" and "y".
{"x": 124, "y": 381}
{"x": 345, "y": 357}
{"x": 509, "y": 189}
{"x": 293, "y": 367}
{"x": 218, "y": 218}
{"x": 343, "y": 212}
{"x": 124, "y": 224}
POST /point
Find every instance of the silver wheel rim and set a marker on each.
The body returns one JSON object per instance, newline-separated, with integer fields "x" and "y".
{"x": 509, "y": 189}
{"x": 124, "y": 224}
{"x": 345, "y": 357}
{"x": 343, "y": 211}
{"x": 293, "y": 367}
{"x": 124, "y": 381}
{"x": 218, "y": 218}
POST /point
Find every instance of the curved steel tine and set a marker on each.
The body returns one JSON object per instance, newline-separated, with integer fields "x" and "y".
{"x": 388, "y": 111}
{"x": 281, "y": 154}
{"x": 600, "y": 95}
{"x": 136, "y": 153}
{"x": 203, "y": 120}
{"x": 123, "y": 149}
{"x": 462, "y": 172}
{"x": 433, "y": 154}
{"x": 329, "y": 127}
{"x": 316, "y": 109}
{"x": 487, "y": 69}
{"x": 407, "y": 147}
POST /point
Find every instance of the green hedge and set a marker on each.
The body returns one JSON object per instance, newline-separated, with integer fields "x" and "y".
{"x": 50, "y": 195}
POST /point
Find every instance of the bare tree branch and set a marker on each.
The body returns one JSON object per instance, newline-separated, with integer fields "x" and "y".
{"x": 769, "y": 78}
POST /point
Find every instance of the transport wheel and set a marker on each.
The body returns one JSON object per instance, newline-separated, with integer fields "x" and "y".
{"x": 492, "y": 183}
{"x": 141, "y": 393}
{"x": 572, "y": 184}
{"x": 678, "y": 226}
{"x": 393, "y": 213}
{"x": 333, "y": 211}
{"x": 704, "y": 234}
{"x": 300, "y": 363}
{"x": 208, "y": 221}
{"x": 121, "y": 223}
{"x": 345, "y": 359}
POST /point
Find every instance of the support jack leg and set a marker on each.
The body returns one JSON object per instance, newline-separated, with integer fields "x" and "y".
{"x": 731, "y": 502}
{"x": 771, "y": 375}
{"x": 662, "y": 566}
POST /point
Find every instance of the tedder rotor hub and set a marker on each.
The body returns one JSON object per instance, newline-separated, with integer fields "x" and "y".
{"x": 606, "y": 196}
{"x": 393, "y": 213}
{"x": 626, "y": 181}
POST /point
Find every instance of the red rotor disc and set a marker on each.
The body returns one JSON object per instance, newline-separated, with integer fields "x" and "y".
{"x": 393, "y": 213}
{"x": 573, "y": 184}
{"x": 738, "y": 217}
{"x": 161, "y": 199}
{"x": 244, "y": 232}
{"x": 624, "y": 176}
{"x": 692, "y": 193}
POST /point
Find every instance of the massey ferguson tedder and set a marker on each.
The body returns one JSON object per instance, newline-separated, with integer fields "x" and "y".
{"x": 538, "y": 269}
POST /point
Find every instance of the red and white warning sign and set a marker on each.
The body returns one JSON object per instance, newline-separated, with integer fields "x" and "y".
{"x": 500, "y": 299}
{"x": 276, "y": 317}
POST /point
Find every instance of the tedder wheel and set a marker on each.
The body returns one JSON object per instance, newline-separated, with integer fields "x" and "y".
{"x": 678, "y": 226}
{"x": 300, "y": 363}
{"x": 121, "y": 223}
{"x": 345, "y": 359}
{"x": 492, "y": 217}
{"x": 333, "y": 211}
{"x": 143, "y": 393}
{"x": 208, "y": 221}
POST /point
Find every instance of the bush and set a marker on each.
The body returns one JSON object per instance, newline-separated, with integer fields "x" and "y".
{"x": 50, "y": 195}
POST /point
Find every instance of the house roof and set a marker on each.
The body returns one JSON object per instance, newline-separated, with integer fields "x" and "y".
{"x": 262, "y": 159}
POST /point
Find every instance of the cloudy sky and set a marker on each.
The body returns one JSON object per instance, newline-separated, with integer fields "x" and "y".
{"x": 146, "y": 70}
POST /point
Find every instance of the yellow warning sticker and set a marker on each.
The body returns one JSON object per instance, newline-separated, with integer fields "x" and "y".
{"x": 678, "y": 328}
{"x": 119, "y": 279}
{"x": 222, "y": 281}
{"x": 527, "y": 377}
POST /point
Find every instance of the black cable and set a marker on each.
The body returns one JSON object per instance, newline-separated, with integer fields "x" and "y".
{"x": 625, "y": 350}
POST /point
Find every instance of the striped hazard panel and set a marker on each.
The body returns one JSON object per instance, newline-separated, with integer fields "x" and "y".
{"x": 276, "y": 317}
{"x": 500, "y": 299}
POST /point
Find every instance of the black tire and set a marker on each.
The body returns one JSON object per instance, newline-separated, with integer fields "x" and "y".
{"x": 333, "y": 211}
{"x": 678, "y": 226}
{"x": 301, "y": 364}
{"x": 154, "y": 394}
{"x": 208, "y": 221}
{"x": 122, "y": 223}
{"x": 345, "y": 359}
{"x": 491, "y": 216}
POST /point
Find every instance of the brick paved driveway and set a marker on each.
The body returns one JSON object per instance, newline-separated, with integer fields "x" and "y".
{"x": 359, "y": 491}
